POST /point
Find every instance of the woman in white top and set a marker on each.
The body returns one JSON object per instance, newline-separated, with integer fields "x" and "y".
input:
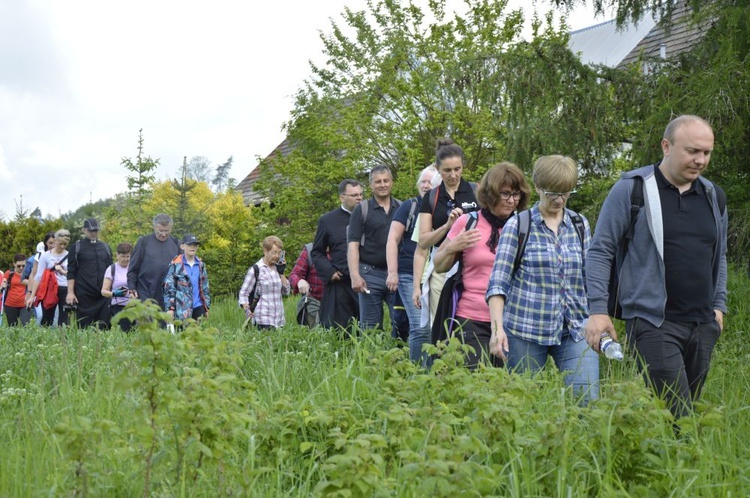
{"x": 115, "y": 284}
{"x": 55, "y": 260}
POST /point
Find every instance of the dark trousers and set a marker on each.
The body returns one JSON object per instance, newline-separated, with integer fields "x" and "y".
{"x": 48, "y": 316}
{"x": 674, "y": 358}
{"x": 339, "y": 305}
{"x": 124, "y": 324}
{"x": 93, "y": 311}
{"x": 477, "y": 335}
{"x": 198, "y": 312}
{"x": 14, "y": 314}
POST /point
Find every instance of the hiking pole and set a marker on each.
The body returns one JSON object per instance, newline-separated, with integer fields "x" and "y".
{"x": 2, "y": 308}
{"x": 248, "y": 319}
{"x": 304, "y": 311}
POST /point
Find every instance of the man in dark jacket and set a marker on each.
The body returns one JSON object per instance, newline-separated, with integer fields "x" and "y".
{"x": 150, "y": 261}
{"x": 88, "y": 259}
{"x": 339, "y": 304}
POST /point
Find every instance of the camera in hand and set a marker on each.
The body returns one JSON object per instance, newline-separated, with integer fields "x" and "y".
{"x": 70, "y": 308}
{"x": 121, "y": 292}
{"x": 466, "y": 207}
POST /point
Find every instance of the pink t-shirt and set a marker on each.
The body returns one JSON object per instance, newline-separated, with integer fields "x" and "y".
{"x": 477, "y": 261}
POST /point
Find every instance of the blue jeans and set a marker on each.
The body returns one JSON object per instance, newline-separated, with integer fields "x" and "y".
{"x": 371, "y": 305}
{"x": 418, "y": 336}
{"x": 576, "y": 359}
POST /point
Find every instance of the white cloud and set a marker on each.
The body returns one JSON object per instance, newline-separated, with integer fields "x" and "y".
{"x": 79, "y": 79}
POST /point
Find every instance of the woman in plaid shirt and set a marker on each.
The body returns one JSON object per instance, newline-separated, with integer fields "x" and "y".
{"x": 272, "y": 285}
{"x": 540, "y": 309}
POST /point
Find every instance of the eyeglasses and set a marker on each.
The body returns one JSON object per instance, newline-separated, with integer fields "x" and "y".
{"x": 554, "y": 195}
{"x": 64, "y": 234}
{"x": 164, "y": 232}
{"x": 353, "y": 195}
{"x": 20, "y": 266}
{"x": 505, "y": 195}
{"x": 274, "y": 252}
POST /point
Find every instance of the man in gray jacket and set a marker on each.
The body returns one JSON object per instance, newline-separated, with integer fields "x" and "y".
{"x": 150, "y": 261}
{"x": 673, "y": 278}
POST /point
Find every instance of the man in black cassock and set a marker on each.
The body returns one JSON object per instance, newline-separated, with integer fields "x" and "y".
{"x": 339, "y": 304}
{"x": 88, "y": 259}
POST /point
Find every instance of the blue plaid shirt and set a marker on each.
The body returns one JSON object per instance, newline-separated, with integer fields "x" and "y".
{"x": 547, "y": 295}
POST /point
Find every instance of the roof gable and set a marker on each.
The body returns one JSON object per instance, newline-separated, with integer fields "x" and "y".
{"x": 605, "y": 44}
{"x": 250, "y": 197}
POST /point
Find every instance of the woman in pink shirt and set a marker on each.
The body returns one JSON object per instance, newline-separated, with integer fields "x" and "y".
{"x": 502, "y": 191}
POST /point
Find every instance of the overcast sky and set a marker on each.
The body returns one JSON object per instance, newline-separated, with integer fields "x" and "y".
{"x": 78, "y": 79}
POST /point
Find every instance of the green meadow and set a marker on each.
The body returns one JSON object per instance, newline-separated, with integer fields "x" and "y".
{"x": 220, "y": 411}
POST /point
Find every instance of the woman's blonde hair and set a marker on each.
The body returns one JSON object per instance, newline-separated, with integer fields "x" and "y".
{"x": 555, "y": 173}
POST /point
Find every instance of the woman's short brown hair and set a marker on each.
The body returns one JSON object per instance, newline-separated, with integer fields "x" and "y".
{"x": 124, "y": 248}
{"x": 502, "y": 176}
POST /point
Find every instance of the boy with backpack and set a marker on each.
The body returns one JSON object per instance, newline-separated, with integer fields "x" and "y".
{"x": 186, "y": 293}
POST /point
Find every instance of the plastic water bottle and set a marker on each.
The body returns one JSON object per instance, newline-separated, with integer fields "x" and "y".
{"x": 611, "y": 348}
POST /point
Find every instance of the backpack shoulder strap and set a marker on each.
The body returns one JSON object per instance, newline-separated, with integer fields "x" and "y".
{"x": 410, "y": 219}
{"x": 364, "y": 207}
{"x": 578, "y": 224}
{"x": 78, "y": 249}
{"x": 433, "y": 199}
{"x": 472, "y": 221}
{"x": 636, "y": 202}
{"x": 308, "y": 246}
{"x": 112, "y": 272}
{"x": 524, "y": 224}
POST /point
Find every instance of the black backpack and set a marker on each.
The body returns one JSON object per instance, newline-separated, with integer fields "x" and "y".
{"x": 524, "y": 224}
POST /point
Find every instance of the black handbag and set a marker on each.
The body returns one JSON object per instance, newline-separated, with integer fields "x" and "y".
{"x": 445, "y": 314}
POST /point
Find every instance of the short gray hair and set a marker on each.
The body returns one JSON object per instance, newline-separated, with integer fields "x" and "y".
{"x": 381, "y": 168}
{"x": 436, "y": 179}
{"x": 162, "y": 219}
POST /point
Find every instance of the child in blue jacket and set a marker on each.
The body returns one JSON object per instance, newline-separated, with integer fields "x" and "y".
{"x": 186, "y": 293}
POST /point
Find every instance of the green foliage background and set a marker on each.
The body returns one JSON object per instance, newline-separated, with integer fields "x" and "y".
{"x": 217, "y": 410}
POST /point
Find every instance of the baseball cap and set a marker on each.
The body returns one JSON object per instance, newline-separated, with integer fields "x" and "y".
{"x": 190, "y": 239}
{"x": 91, "y": 224}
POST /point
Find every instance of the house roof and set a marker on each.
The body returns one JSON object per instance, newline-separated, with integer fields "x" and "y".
{"x": 250, "y": 197}
{"x": 683, "y": 34}
{"x": 605, "y": 44}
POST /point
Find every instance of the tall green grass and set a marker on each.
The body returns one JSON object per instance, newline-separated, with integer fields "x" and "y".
{"x": 217, "y": 410}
